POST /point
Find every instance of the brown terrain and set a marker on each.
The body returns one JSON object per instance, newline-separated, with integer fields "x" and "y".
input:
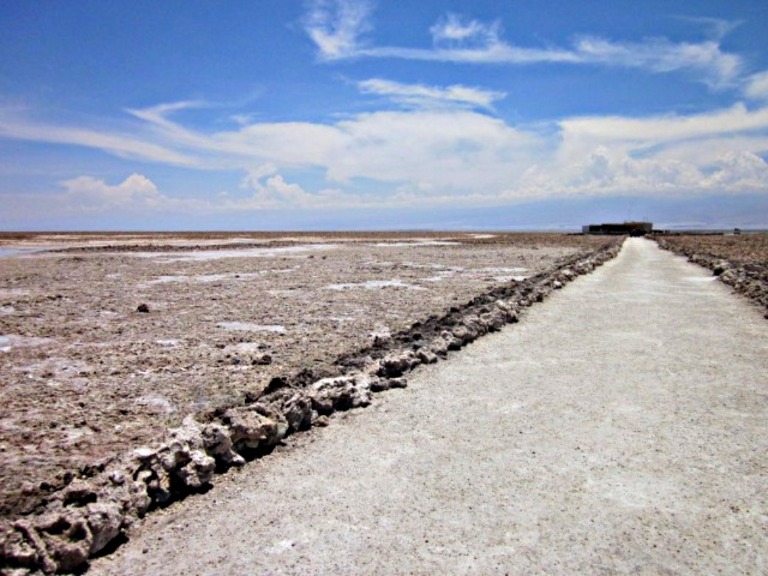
{"x": 740, "y": 260}
{"x": 107, "y": 341}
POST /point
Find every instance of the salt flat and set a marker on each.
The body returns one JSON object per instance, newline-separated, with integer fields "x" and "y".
{"x": 621, "y": 428}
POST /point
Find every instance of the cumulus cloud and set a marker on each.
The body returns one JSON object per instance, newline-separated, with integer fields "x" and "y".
{"x": 136, "y": 192}
{"x": 422, "y": 96}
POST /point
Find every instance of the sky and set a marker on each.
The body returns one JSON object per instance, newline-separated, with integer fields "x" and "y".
{"x": 382, "y": 114}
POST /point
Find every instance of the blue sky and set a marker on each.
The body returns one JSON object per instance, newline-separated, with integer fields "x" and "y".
{"x": 317, "y": 114}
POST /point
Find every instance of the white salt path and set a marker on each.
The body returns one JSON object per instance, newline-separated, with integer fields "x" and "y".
{"x": 620, "y": 428}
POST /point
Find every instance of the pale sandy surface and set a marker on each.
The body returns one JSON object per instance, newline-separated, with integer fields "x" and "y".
{"x": 621, "y": 428}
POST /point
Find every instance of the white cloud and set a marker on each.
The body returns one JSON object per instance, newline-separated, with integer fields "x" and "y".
{"x": 421, "y": 96}
{"x": 668, "y": 132}
{"x": 756, "y": 86}
{"x": 736, "y": 172}
{"x": 715, "y": 67}
{"x": 432, "y": 155}
{"x": 14, "y": 125}
{"x": 453, "y": 29}
{"x": 89, "y": 194}
{"x": 336, "y": 26}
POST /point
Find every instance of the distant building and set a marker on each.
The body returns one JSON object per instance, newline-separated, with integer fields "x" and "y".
{"x": 625, "y": 229}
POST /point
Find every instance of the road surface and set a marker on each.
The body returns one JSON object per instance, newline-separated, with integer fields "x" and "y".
{"x": 620, "y": 428}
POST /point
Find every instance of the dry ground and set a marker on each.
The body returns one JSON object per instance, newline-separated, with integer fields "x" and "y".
{"x": 87, "y": 376}
{"x": 743, "y": 249}
{"x": 741, "y": 261}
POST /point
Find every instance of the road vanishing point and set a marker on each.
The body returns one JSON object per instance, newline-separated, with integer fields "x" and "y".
{"x": 620, "y": 428}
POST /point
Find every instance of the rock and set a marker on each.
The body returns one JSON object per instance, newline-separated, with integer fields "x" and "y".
{"x": 143, "y": 453}
{"x": 398, "y": 383}
{"x": 495, "y": 320}
{"x": 117, "y": 477}
{"x": 67, "y": 538}
{"x": 16, "y": 549}
{"x": 426, "y": 356}
{"x": 254, "y": 426}
{"x": 379, "y": 385}
{"x": 198, "y": 471}
{"x": 261, "y": 360}
{"x": 218, "y": 443}
{"x": 475, "y": 324}
{"x": 105, "y": 521}
{"x": 138, "y": 500}
{"x": 79, "y": 493}
{"x": 395, "y": 365}
{"x": 143, "y": 308}
{"x": 341, "y": 393}
{"x": 297, "y": 409}
{"x": 464, "y": 335}
{"x": 557, "y": 285}
{"x": 439, "y": 346}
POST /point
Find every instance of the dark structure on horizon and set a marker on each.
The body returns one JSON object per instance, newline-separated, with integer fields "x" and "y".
{"x": 625, "y": 229}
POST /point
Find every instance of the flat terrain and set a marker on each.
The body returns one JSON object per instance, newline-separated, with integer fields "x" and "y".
{"x": 741, "y": 261}
{"x": 741, "y": 249}
{"x": 86, "y": 375}
{"x": 621, "y": 428}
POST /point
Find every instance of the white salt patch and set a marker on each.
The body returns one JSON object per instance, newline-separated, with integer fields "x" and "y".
{"x": 10, "y": 292}
{"x": 167, "y": 279}
{"x": 7, "y": 310}
{"x": 245, "y": 347}
{"x": 76, "y": 433}
{"x": 375, "y": 284}
{"x": 21, "y": 251}
{"x": 483, "y": 236}
{"x": 341, "y": 318}
{"x": 244, "y": 326}
{"x": 202, "y": 256}
{"x": 157, "y": 402}
{"x": 9, "y": 341}
{"x": 416, "y": 244}
{"x": 170, "y": 343}
{"x": 497, "y": 270}
{"x": 204, "y": 278}
{"x": 444, "y": 275}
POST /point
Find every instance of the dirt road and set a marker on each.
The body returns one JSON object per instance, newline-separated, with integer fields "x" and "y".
{"x": 620, "y": 428}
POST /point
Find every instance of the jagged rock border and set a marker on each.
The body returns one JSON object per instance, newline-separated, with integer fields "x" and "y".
{"x": 91, "y": 513}
{"x": 751, "y": 280}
